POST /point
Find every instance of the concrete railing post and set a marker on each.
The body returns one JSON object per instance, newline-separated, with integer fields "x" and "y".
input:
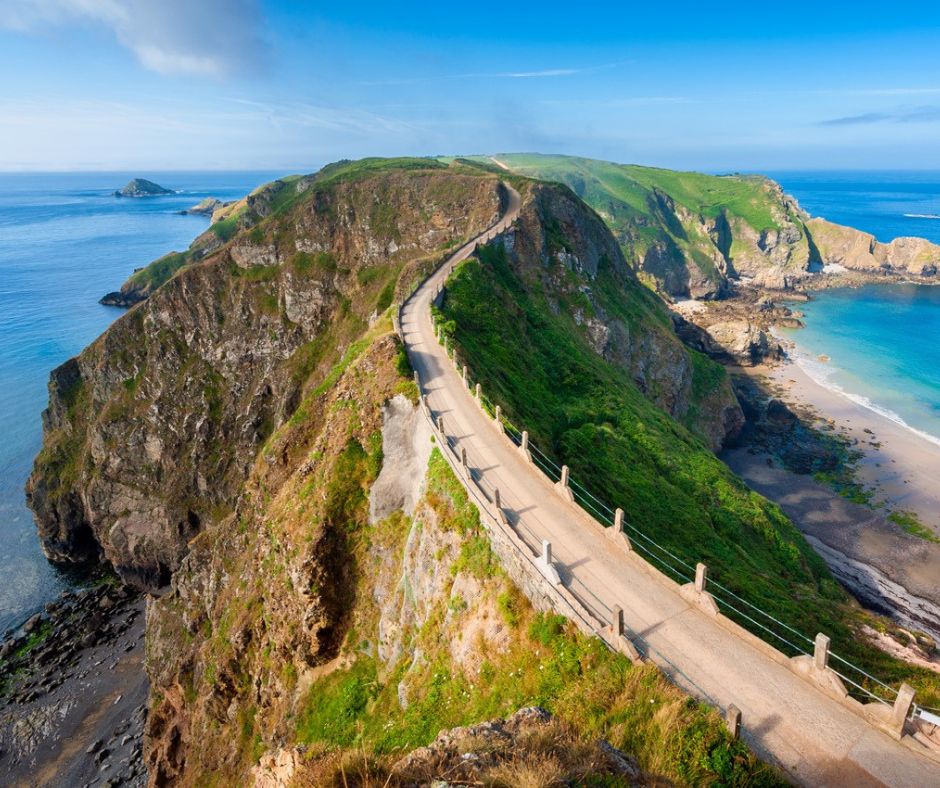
{"x": 617, "y": 533}
{"x": 477, "y": 392}
{"x": 463, "y": 458}
{"x": 733, "y": 720}
{"x": 499, "y": 414}
{"x": 417, "y": 380}
{"x": 524, "y": 446}
{"x": 465, "y": 375}
{"x": 446, "y": 346}
{"x": 821, "y": 652}
{"x": 616, "y": 620}
{"x": 496, "y": 500}
{"x": 701, "y": 577}
{"x": 562, "y": 484}
{"x": 902, "y": 707}
{"x": 546, "y": 552}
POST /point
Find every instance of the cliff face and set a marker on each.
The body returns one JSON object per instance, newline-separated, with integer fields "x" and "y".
{"x": 152, "y": 429}
{"x": 248, "y": 434}
{"x": 309, "y": 642}
{"x": 566, "y": 255}
{"x": 860, "y": 251}
{"x": 695, "y": 236}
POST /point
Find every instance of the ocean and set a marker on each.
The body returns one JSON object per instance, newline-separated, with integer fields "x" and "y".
{"x": 65, "y": 241}
{"x": 879, "y": 342}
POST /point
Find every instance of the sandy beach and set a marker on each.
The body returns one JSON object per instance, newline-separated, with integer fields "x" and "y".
{"x": 887, "y": 568}
{"x": 900, "y": 466}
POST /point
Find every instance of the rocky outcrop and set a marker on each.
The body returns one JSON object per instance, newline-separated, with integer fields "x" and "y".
{"x": 744, "y": 342}
{"x": 140, "y": 187}
{"x": 529, "y": 743}
{"x": 150, "y": 432}
{"x": 860, "y": 251}
{"x": 206, "y": 207}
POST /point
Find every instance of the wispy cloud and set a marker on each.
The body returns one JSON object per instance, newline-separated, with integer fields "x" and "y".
{"x": 546, "y": 73}
{"x": 205, "y": 38}
{"x": 338, "y": 119}
{"x": 925, "y": 114}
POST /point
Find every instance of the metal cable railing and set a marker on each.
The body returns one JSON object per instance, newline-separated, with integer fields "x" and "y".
{"x": 683, "y": 570}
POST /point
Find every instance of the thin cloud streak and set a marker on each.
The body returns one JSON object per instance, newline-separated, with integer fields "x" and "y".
{"x": 925, "y": 114}
{"x": 547, "y": 73}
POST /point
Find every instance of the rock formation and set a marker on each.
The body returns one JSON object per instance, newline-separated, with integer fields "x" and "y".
{"x": 206, "y": 207}
{"x": 140, "y": 187}
{"x": 152, "y": 429}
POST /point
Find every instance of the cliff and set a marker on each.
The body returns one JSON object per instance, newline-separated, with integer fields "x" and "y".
{"x": 562, "y": 267}
{"x": 329, "y": 630}
{"x": 246, "y": 439}
{"x": 858, "y": 251}
{"x": 150, "y": 432}
{"x": 689, "y": 235}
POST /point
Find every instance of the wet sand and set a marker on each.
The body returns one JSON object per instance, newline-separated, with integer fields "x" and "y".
{"x": 901, "y": 467}
{"x": 887, "y": 568}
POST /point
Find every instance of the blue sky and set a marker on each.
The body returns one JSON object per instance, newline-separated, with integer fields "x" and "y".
{"x": 242, "y": 84}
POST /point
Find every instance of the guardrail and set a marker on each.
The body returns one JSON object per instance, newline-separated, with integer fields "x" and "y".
{"x": 595, "y": 617}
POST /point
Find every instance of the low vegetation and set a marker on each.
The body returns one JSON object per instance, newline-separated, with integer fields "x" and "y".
{"x": 539, "y": 660}
{"x": 589, "y": 414}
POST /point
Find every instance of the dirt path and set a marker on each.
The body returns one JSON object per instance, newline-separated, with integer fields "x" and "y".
{"x": 817, "y": 740}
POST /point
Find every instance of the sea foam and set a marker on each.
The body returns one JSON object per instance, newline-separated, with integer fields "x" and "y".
{"x": 823, "y": 373}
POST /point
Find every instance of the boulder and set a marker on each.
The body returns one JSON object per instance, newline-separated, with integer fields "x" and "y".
{"x": 743, "y": 341}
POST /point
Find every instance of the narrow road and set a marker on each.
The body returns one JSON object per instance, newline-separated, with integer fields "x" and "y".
{"x": 785, "y": 719}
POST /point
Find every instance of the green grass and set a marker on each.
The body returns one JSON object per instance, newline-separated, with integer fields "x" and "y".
{"x": 159, "y": 271}
{"x": 590, "y": 415}
{"x": 912, "y": 524}
{"x": 634, "y": 201}
{"x": 542, "y": 661}
{"x": 600, "y": 182}
{"x": 226, "y": 228}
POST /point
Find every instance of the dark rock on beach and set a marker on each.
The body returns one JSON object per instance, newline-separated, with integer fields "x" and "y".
{"x": 73, "y": 692}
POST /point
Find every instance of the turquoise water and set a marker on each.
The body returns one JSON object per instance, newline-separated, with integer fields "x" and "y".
{"x": 882, "y": 341}
{"x": 883, "y": 349}
{"x": 64, "y": 242}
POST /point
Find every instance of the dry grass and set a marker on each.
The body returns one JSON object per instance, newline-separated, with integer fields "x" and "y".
{"x": 527, "y": 771}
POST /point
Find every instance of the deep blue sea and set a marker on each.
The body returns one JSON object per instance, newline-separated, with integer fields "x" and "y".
{"x": 882, "y": 341}
{"x": 65, "y": 240}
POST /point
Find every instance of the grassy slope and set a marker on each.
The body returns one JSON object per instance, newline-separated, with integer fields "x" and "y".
{"x": 590, "y": 415}
{"x": 631, "y": 184}
{"x": 544, "y": 662}
{"x": 628, "y": 197}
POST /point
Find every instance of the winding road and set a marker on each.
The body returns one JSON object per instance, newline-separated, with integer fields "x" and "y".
{"x": 785, "y": 718}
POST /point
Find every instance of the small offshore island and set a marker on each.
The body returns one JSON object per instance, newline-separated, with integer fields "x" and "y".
{"x": 245, "y": 447}
{"x": 141, "y": 187}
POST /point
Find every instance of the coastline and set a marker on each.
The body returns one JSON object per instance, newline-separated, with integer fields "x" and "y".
{"x": 885, "y": 567}
{"x": 898, "y": 464}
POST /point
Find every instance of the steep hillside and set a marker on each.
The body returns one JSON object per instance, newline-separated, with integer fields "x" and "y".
{"x": 325, "y": 633}
{"x": 694, "y": 235}
{"x": 248, "y": 435}
{"x": 522, "y": 306}
{"x": 150, "y": 432}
